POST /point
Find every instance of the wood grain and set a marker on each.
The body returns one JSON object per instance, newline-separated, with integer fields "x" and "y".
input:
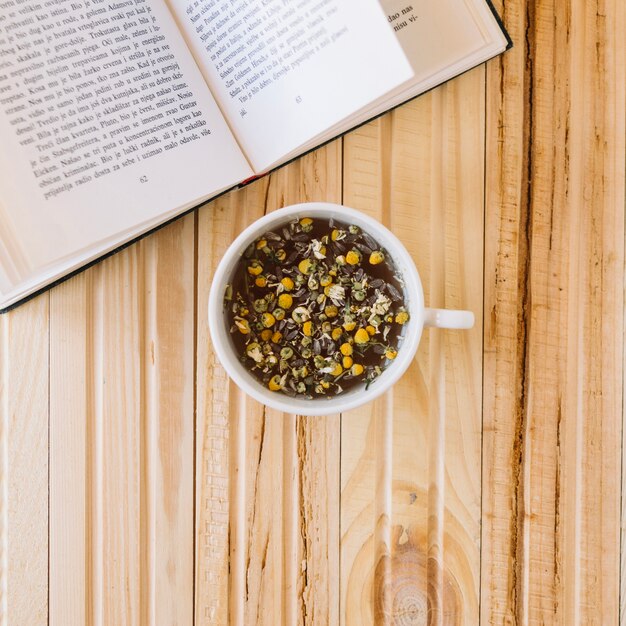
{"x": 411, "y": 461}
{"x": 24, "y": 465}
{"x": 554, "y": 261}
{"x": 121, "y": 437}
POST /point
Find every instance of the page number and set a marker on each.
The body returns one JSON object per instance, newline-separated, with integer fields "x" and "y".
{"x": 143, "y": 179}
{"x": 298, "y": 99}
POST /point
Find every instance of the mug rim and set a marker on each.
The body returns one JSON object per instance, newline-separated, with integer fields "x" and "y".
{"x": 357, "y": 396}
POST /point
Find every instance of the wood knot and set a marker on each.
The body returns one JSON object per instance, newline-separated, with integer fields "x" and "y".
{"x": 406, "y": 588}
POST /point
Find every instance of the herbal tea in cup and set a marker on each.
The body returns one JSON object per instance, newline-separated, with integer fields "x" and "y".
{"x": 315, "y": 307}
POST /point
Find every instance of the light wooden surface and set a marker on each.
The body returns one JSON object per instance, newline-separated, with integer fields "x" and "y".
{"x": 139, "y": 486}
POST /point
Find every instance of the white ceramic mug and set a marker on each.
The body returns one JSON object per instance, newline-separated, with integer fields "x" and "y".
{"x": 420, "y": 315}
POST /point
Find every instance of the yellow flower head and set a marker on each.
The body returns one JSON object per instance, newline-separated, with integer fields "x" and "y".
{"x": 243, "y": 326}
{"x": 337, "y": 332}
{"x": 275, "y": 384}
{"x": 377, "y": 257}
{"x": 361, "y": 336}
{"x": 255, "y": 268}
{"x": 268, "y": 320}
{"x": 305, "y": 266}
{"x": 402, "y": 317}
{"x": 306, "y": 223}
{"x": 285, "y": 301}
{"x": 353, "y": 257}
{"x": 338, "y": 370}
{"x": 356, "y": 369}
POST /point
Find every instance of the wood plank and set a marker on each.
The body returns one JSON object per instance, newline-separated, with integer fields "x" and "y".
{"x": 554, "y": 261}
{"x": 121, "y": 436}
{"x": 169, "y": 365}
{"x": 71, "y": 433}
{"x": 410, "y": 470}
{"x": 267, "y": 521}
{"x": 24, "y": 464}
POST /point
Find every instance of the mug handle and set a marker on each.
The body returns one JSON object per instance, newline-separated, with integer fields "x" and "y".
{"x": 448, "y": 318}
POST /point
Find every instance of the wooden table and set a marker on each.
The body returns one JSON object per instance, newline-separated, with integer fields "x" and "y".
{"x": 139, "y": 486}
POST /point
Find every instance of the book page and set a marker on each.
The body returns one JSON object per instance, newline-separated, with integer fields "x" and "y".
{"x": 436, "y": 35}
{"x": 441, "y": 40}
{"x": 283, "y": 71}
{"x": 105, "y": 124}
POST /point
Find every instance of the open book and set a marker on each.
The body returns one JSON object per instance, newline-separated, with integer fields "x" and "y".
{"x": 117, "y": 115}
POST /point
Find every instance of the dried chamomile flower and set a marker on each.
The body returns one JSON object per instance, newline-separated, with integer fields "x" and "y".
{"x": 306, "y": 266}
{"x": 345, "y": 349}
{"x": 253, "y": 350}
{"x": 300, "y": 314}
{"x": 353, "y": 257}
{"x": 260, "y": 305}
{"x": 306, "y": 223}
{"x": 275, "y": 383}
{"x": 242, "y": 325}
{"x": 357, "y": 369}
{"x": 337, "y": 294}
{"x": 361, "y": 336}
{"x": 268, "y": 320}
{"x": 285, "y": 301}
{"x": 318, "y": 249}
{"x": 377, "y": 257}
{"x": 349, "y": 323}
{"x": 255, "y": 268}
{"x": 402, "y": 317}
